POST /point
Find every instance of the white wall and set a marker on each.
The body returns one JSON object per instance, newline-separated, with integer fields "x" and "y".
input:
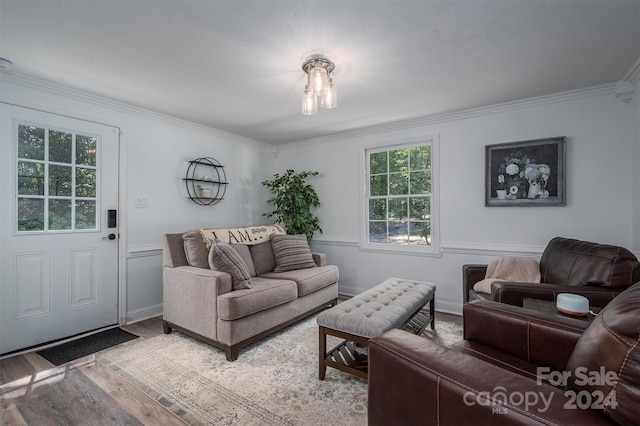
{"x": 603, "y": 153}
{"x": 154, "y": 154}
{"x": 635, "y": 119}
{"x": 600, "y": 171}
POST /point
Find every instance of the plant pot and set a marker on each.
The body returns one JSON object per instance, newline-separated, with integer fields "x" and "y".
{"x": 205, "y": 193}
{"x": 501, "y": 194}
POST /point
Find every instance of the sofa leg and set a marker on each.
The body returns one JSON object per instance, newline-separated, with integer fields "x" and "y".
{"x": 231, "y": 352}
{"x": 166, "y": 327}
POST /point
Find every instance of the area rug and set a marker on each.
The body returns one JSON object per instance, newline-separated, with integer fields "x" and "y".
{"x": 273, "y": 382}
{"x": 65, "y": 352}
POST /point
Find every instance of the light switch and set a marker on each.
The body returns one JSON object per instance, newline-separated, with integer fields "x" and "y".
{"x": 141, "y": 203}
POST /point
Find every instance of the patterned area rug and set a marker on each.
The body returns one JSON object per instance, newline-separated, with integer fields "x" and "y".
{"x": 273, "y": 382}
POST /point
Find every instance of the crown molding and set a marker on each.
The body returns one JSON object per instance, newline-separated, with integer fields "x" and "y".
{"x": 633, "y": 75}
{"x": 624, "y": 91}
{"x": 47, "y": 86}
{"x": 570, "y": 95}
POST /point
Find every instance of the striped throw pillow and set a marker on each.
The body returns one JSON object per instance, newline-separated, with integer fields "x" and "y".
{"x": 224, "y": 258}
{"x": 291, "y": 252}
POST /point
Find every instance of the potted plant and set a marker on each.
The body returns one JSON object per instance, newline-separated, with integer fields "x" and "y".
{"x": 293, "y": 199}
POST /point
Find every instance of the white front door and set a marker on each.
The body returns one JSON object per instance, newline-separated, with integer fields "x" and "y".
{"x": 58, "y": 250}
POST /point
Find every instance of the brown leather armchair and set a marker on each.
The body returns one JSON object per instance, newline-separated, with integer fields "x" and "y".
{"x": 515, "y": 366}
{"x": 597, "y": 271}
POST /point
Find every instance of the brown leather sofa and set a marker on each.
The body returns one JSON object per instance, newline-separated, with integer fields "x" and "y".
{"x": 515, "y": 366}
{"x": 597, "y": 271}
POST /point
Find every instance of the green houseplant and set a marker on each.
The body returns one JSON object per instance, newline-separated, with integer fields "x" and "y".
{"x": 293, "y": 199}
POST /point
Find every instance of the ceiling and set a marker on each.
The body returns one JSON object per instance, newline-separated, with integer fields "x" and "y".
{"x": 235, "y": 65}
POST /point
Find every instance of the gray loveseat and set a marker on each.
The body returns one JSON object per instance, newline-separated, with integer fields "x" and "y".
{"x": 201, "y": 303}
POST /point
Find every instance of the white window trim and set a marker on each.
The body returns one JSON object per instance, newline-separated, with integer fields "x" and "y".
{"x": 416, "y": 250}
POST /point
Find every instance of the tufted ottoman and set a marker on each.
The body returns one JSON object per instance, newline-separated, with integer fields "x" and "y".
{"x": 395, "y": 303}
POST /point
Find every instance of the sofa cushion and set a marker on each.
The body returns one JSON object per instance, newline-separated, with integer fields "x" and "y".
{"x": 263, "y": 258}
{"x": 573, "y": 262}
{"x": 245, "y": 254}
{"x": 608, "y": 356}
{"x": 223, "y": 257}
{"x": 195, "y": 249}
{"x": 291, "y": 252}
{"x": 308, "y": 280}
{"x": 263, "y": 294}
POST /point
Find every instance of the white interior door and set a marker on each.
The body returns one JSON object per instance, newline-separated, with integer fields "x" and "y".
{"x": 59, "y": 250}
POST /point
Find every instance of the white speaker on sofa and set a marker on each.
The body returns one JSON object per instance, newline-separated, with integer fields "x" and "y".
{"x": 572, "y": 304}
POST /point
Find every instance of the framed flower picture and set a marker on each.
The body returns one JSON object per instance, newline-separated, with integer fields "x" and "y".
{"x": 526, "y": 173}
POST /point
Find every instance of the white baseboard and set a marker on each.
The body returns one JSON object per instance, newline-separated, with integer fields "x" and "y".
{"x": 143, "y": 314}
{"x": 448, "y": 307}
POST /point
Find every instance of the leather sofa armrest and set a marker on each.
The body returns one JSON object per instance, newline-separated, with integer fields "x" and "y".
{"x": 320, "y": 259}
{"x": 471, "y": 274}
{"x": 413, "y": 380}
{"x": 513, "y": 293}
{"x": 530, "y": 335}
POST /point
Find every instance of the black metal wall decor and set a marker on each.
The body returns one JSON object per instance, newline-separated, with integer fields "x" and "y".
{"x": 206, "y": 181}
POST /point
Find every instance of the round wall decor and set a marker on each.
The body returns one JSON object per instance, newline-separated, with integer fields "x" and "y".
{"x": 206, "y": 181}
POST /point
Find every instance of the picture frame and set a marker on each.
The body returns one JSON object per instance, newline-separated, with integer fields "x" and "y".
{"x": 526, "y": 173}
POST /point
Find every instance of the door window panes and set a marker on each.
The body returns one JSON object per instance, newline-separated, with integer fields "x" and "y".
{"x": 59, "y": 214}
{"x": 86, "y": 150}
{"x": 85, "y": 214}
{"x": 85, "y": 182}
{"x": 60, "y": 183}
{"x": 59, "y": 147}
{"x": 30, "y": 142}
{"x": 57, "y": 180}
{"x": 30, "y": 214}
{"x": 30, "y": 178}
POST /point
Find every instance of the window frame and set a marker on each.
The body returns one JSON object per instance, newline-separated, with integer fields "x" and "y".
{"x": 46, "y": 162}
{"x": 388, "y": 145}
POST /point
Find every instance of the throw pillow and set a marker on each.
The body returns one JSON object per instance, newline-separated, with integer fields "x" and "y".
{"x": 195, "y": 249}
{"x": 245, "y": 254}
{"x": 224, "y": 258}
{"x": 262, "y": 256}
{"x": 291, "y": 252}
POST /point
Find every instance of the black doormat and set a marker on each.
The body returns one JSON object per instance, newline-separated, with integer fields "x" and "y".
{"x": 75, "y": 349}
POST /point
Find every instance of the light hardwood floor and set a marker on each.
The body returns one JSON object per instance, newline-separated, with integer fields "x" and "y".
{"x": 83, "y": 392}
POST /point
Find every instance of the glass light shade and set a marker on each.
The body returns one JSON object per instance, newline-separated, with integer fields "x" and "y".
{"x": 309, "y": 102}
{"x": 318, "y": 79}
{"x": 330, "y": 96}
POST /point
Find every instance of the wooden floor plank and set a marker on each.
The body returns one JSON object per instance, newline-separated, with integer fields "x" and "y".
{"x": 134, "y": 401}
{"x": 14, "y": 368}
{"x": 63, "y": 396}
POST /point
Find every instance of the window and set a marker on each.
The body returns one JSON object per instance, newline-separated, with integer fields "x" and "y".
{"x": 399, "y": 202}
{"x": 56, "y": 180}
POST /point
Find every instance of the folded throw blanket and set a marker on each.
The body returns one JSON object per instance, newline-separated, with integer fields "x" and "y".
{"x": 510, "y": 269}
{"x": 250, "y": 235}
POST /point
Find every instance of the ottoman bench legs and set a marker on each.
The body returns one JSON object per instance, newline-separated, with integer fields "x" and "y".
{"x": 344, "y": 357}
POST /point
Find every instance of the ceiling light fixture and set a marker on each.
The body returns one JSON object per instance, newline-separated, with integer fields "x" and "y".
{"x": 319, "y": 85}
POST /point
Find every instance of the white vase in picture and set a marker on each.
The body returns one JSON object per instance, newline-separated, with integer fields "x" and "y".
{"x": 501, "y": 194}
{"x": 205, "y": 193}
